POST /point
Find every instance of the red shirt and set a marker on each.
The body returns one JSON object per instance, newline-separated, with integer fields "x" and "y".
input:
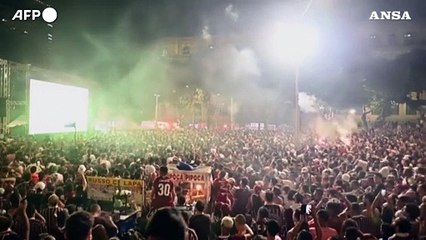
{"x": 162, "y": 193}
{"x": 35, "y": 178}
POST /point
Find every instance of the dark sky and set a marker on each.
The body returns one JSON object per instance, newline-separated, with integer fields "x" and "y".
{"x": 85, "y": 27}
{"x": 146, "y": 20}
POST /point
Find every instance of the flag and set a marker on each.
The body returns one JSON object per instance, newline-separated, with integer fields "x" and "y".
{"x": 70, "y": 125}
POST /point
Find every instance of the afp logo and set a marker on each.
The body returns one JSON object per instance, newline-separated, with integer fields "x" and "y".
{"x": 49, "y": 15}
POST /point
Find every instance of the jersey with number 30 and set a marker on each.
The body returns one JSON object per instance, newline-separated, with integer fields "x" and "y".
{"x": 163, "y": 193}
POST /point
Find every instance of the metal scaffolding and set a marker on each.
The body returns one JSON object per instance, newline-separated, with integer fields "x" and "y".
{"x": 4, "y": 89}
{"x": 7, "y": 70}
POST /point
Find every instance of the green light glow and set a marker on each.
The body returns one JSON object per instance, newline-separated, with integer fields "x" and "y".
{"x": 53, "y": 106}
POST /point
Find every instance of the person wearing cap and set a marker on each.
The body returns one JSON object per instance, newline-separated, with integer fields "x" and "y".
{"x": 55, "y": 216}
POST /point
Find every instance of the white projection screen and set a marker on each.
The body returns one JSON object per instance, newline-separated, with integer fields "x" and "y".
{"x": 54, "y": 108}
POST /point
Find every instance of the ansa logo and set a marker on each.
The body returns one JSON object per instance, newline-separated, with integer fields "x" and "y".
{"x": 390, "y": 15}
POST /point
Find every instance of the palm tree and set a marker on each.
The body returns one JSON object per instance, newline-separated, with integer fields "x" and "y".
{"x": 196, "y": 100}
{"x": 185, "y": 105}
{"x": 199, "y": 103}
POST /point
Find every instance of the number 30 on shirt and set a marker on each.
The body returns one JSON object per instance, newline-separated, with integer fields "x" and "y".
{"x": 163, "y": 189}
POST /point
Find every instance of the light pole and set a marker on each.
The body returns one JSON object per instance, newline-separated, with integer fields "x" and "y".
{"x": 156, "y": 109}
{"x": 232, "y": 113}
{"x": 295, "y": 42}
{"x": 297, "y": 107}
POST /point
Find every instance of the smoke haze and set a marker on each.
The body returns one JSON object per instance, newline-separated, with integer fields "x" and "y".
{"x": 340, "y": 127}
{"x": 307, "y": 103}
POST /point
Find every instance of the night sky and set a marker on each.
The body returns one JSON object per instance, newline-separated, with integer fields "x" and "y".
{"x": 93, "y": 36}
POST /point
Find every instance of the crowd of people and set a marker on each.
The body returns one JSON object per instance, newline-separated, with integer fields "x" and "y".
{"x": 263, "y": 185}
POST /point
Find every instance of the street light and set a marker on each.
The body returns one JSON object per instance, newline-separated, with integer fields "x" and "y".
{"x": 156, "y": 109}
{"x": 232, "y": 113}
{"x": 293, "y": 42}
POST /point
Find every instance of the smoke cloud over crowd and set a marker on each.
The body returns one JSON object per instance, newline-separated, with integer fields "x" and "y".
{"x": 307, "y": 103}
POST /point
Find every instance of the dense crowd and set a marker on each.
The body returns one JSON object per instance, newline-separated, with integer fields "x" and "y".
{"x": 263, "y": 186}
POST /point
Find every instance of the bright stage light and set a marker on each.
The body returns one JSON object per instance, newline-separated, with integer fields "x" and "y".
{"x": 292, "y": 42}
{"x": 55, "y": 107}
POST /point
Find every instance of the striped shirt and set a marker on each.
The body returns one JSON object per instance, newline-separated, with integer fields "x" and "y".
{"x": 37, "y": 227}
{"x": 191, "y": 234}
{"x": 55, "y": 218}
{"x": 275, "y": 212}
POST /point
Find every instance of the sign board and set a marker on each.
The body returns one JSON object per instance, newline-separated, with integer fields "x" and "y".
{"x": 197, "y": 183}
{"x": 101, "y": 188}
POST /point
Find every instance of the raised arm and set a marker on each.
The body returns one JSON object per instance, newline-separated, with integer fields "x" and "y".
{"x": 22, "y": 214}
{"x": 317, "y": 225}
{"x": 371, "y": 211}
{"x": 84, "y": 181}
{"x": 296, "y": 229}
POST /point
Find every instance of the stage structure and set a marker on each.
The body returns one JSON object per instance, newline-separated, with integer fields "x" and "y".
{"x": 14, "y": 91}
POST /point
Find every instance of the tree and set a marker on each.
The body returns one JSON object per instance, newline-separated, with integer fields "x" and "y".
{"x": 196, "y": 101}
{"x": 386, "y": 82}
{"x": 391, "y": 81}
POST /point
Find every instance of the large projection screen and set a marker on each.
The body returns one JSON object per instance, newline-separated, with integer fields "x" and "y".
{"x": 54, "y": 108}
